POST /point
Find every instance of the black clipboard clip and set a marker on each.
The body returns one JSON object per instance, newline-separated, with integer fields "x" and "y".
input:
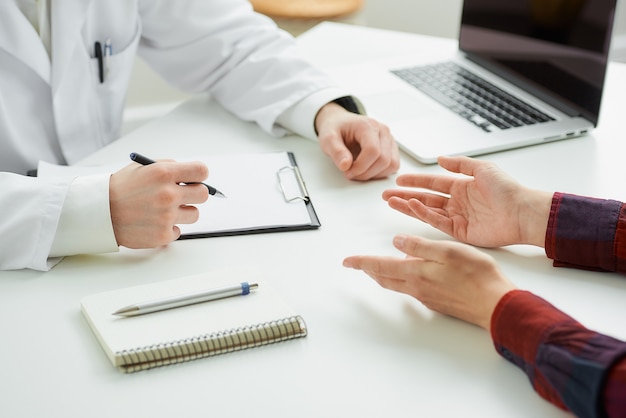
{"x": 304, "y": 196}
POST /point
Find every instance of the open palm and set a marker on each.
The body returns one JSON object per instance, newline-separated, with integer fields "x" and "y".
{"x": 482, "y": 207}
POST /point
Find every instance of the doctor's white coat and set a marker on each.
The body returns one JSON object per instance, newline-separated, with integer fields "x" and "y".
{"x": 55, "y": 108}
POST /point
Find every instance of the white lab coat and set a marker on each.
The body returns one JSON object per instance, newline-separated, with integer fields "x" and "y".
{"x": 60, "y": 112}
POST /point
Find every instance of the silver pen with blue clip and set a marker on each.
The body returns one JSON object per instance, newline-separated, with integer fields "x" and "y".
{"x": 186, "y": 299}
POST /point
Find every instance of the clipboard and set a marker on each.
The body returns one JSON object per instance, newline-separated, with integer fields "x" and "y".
{"x": 266, "y": 193}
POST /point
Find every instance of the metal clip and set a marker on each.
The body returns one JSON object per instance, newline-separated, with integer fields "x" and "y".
{"x": 305, "y": 194}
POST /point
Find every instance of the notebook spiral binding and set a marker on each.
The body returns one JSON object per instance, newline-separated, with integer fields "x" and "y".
{"x": 212, "y": 344}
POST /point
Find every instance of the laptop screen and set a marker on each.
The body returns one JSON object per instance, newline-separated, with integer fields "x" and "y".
{"x": 555, "y": 49}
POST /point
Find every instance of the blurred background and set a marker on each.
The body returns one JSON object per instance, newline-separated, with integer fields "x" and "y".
{"x": 150, "y": 97}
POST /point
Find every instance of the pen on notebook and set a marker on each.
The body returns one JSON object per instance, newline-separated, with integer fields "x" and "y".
{"x": 146, "y": 161}
{"x": 187, "y": 299}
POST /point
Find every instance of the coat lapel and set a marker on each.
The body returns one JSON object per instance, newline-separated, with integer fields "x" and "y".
{"x": 67, "y": 20}
{"x": 19, "y": 39}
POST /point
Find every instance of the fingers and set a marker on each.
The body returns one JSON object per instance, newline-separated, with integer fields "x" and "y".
{"x": 377, "y": 156}
{"x": 378, "y": 266}
{"x": 418, "y": 247}
{"x": 386, "y": 271}
{"x": 193, "y": 193}
{"x": 463, "y": 165}
{"x": 176, "y": 199}
{"x": 427, "y": 207}
{"x": 447, "y": 277}
{"x": 173, "y": 173}
{"x": 439, "y": 183}
{"x": 426, "y": 197}
{"x": 147, "y": 202}
{"x": 403, "y": 206}
{"x": 179, "y": 172}
{"x": 444, "y": 183}
{"x": 437, "y": 218}
{"x": 187, "y": 215}
{"x": 360, "y": 147}
{"x": 421, "y": 254}
{"x": 419, "y": 250}
{"x": 332, "y": 144}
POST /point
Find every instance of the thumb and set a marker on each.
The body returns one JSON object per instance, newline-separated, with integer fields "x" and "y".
{"x": 333, "y": 145}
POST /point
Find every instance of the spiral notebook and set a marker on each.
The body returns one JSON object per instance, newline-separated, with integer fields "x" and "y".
{"x": 190, "y": 332}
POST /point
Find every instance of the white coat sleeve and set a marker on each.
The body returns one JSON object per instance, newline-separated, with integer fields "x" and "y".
{"x": 300, "y": 118}
{"x": 46, "y": 219}
{"x": 222, "y": 47}
{"x": 85, "y": 225}
{"x": 30, "y": 209}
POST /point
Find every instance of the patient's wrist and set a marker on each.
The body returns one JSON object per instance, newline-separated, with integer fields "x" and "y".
{"x": 534, "y": 217}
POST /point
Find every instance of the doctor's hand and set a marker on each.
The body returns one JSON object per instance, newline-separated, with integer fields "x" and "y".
{"x": 361, "y": 147}
{"x": 147, "y": 201}
{"x": 448, "y": 277}
{"x": 485, "y": 207}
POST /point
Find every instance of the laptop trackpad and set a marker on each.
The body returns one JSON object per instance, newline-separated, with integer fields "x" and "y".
{"x": 396, "y": 106}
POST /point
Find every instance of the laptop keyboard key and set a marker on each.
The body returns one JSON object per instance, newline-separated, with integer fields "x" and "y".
{"x": 471, "y": 97}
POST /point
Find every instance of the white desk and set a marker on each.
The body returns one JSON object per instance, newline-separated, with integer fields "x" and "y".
{"x": 370, "y": 352}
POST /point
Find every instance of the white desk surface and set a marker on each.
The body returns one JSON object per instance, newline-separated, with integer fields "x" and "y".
{"x": 370, "y": 352}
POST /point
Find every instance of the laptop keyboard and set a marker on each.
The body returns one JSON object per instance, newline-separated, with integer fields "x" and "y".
{"x": 471, "y": 97}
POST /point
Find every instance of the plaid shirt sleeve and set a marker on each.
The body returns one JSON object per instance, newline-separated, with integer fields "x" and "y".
{"x": 587, "y": 233}
{"x": 569, "y": 365}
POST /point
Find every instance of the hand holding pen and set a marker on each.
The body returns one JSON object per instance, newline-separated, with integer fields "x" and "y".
{"x": 147, "y": 203}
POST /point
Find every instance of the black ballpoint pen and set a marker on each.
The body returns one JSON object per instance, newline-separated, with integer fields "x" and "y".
{"x": 98, "y": 52}
{"x": 138, "y": 158}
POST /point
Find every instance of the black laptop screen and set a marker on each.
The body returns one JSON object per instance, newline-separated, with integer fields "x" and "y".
{"x": 556, "y": 49}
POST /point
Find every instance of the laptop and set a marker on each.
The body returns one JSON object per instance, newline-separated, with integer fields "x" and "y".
{"x": 526, "y": 72}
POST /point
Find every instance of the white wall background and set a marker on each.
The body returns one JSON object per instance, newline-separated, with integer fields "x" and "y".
{"x": 150, "y": 97}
